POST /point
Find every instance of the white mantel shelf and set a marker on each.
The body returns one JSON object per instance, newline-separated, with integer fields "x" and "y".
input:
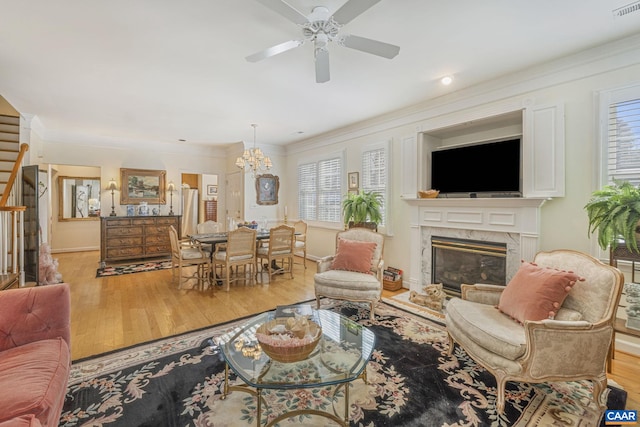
{"x": 480, "y": 201}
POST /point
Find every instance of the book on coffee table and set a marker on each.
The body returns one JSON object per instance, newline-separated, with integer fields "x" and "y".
{"x": 292, "y": 310}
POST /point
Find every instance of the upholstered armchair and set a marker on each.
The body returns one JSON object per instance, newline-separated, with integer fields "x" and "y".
{"x": 569, "y": 343}
{"x": 354, "y": 273}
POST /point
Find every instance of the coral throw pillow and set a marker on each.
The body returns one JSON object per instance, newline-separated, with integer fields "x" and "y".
{"x": 536, "y": 293}
{"x": 354, "y": 255}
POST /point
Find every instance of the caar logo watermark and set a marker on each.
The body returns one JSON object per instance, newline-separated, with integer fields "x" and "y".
{"x": 621, "y": 417}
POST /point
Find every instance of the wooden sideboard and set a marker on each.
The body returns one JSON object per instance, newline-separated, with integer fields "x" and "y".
{"x": 127, "y": 238}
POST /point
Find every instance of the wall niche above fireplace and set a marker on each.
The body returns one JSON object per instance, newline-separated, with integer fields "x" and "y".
{"x": 540, "y": 127}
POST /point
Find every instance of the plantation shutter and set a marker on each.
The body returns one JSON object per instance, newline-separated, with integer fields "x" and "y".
{"x": 307, "y": 196}
{"x": 623, "y": 142}
{"x": 374, "y": 175}
{"x": 329, "y": 197}
{"x": 319, "y": 190}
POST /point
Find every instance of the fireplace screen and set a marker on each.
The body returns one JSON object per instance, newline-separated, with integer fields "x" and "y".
{"x": 457, "y": 261}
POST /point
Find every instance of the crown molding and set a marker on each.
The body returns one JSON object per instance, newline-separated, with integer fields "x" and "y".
{"x": 597, "y": 60}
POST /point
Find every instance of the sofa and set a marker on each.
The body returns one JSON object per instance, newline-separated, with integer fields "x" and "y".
{"x": 35, "y": 356}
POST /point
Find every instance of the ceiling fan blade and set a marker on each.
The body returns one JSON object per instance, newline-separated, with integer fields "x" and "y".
{"x": 286, "y": 10}
{"x": 352, "y": 9}
{"x": 322, "y": 66}
{"x": 374, "y": 47}
{"x": 274, "y": 50}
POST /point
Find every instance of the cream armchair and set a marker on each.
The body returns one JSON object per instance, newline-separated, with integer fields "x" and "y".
{"x": 571, "y": 347}
{"x": 356, "y": 277}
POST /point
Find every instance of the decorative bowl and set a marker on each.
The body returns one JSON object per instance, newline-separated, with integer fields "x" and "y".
{"x": 428, "y": 194}
{"x": 280, "y": 351}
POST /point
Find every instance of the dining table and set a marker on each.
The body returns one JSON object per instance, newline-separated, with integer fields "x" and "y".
{"x": 214, "y": 239}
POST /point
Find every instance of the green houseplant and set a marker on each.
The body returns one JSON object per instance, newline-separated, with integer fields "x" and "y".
{"x": 362, "y": 209}
{"x": 614, "y": 212}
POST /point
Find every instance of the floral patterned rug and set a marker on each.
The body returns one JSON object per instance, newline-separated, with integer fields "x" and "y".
{"x": 410, "y": 382}
{"x": 117, "y": 270}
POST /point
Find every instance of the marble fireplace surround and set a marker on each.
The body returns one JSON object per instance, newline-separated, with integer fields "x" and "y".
{"x": 514, "y": 221}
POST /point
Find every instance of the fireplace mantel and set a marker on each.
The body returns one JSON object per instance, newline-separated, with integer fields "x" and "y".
{"x": 480, "y": 218}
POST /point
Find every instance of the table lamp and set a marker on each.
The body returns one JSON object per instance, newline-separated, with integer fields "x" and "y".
{"x": 113, "y": 186}
{"x": 171, "y": 187}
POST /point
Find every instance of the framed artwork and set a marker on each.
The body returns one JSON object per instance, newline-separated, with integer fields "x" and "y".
{"x": 143, "y": 185}
{"x": 212, "y": 190}
{"x": 267, "y": 187}
{"x": 353, "y": 180}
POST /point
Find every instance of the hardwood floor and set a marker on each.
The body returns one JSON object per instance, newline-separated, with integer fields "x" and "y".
{"x": 120, "y": 311}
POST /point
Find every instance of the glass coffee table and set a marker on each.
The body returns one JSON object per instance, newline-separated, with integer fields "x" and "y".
{"x": 339, "y": 358}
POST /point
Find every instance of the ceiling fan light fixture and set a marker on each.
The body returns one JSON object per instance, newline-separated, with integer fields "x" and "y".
{"x": 320, "y": 27}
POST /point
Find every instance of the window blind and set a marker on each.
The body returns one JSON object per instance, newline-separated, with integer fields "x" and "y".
{"x": 623, "y": 141}
{"x": 374, "y": 175}
{"x": 307, "y": 178}
{"x": 319, "y": 190}
{"x": 329, "y": 197}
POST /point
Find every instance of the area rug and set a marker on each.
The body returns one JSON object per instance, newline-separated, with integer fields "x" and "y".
{"x": 178, "y": 381}
{"x": 118, "y": 270}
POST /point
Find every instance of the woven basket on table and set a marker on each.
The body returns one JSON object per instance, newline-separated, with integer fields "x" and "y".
{"x": 288, "y": 354}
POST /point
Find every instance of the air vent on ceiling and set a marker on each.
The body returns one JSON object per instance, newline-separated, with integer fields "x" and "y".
{"x": 625, "y": 10}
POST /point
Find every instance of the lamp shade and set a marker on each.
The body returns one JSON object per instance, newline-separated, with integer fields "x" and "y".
{"x": 171, "y": 186}
{"x": 113, "y": 185}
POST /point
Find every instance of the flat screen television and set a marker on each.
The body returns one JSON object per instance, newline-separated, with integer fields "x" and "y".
{"x": 489, "y": 169}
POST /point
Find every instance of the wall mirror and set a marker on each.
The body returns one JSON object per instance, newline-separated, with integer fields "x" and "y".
{"x": 79, "y": 198}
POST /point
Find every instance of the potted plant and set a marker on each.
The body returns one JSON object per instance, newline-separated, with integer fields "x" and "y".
{"x": 614, "y": 212}
{"x": 362, "y": 209}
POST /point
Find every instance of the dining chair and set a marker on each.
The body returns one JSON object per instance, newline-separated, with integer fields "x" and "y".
{"x": 208, "y": 227}
{"x": 238, "y": 251}
{"x": 301, "y": 240}
{"x": 281, "y": 244}
{"x": 186, "y": 253}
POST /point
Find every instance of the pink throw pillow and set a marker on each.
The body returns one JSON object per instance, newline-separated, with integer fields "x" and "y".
{"x": 536, "y": 293}
{"x": 353, "y": 255}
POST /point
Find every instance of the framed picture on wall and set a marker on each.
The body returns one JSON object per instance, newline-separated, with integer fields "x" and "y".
{"x": 143, "y": 185}
{"x": 267, "y": 187}
{"x": 212, "y": 190}
{"x": 353, "y": 180}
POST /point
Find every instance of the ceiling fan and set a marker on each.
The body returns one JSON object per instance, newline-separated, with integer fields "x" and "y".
{"x": 321, "y": 28}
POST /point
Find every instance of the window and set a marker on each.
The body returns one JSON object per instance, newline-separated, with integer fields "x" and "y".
{"x": 375, "y": 175}
{"x": 319, "y": 190}
{"x": 621, "y": 136}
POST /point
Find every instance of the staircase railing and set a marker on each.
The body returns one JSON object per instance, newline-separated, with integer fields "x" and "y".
{"x": 12, "y": 227}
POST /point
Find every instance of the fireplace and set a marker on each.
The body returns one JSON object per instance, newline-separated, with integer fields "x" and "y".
{"x": 456, "y": 261}
{"x": 513, "y": 222}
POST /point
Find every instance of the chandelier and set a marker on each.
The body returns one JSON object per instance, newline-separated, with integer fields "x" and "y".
{"x": 254, "y": 159}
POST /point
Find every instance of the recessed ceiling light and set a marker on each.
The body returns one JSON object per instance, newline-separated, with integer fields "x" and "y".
{"x": 182, "y": 140}
{"x": 446, "y": 80}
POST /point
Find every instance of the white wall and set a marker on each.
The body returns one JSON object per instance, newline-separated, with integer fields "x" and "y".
{"x": 109, "y": 157}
